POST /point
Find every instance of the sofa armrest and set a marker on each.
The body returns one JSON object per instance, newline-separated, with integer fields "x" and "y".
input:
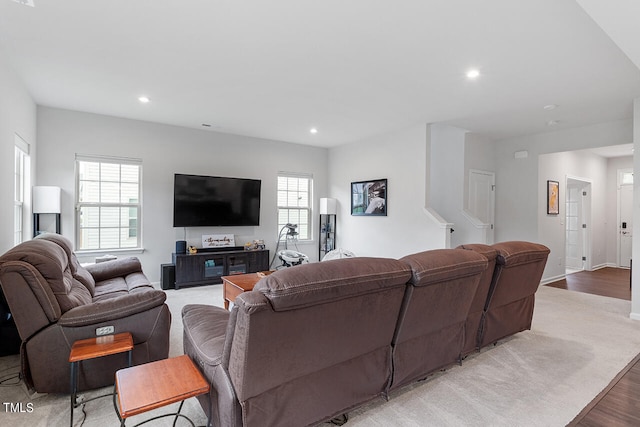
{"x": 112, "y": 309}
{"x": 206, "y": 341}
{"x": 116, "y": 268}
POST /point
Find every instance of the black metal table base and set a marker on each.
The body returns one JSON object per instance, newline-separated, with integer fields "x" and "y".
{"x": 172, "y": 414}
{"x": 74, "y": 388}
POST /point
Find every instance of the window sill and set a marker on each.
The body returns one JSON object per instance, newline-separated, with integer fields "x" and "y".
{"x": 93, "y": 252}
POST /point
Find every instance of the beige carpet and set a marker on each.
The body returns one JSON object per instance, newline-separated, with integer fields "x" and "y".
{"x": 542, "y": 377}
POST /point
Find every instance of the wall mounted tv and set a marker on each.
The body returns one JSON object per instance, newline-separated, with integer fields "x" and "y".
{"x": 201, "y": 201}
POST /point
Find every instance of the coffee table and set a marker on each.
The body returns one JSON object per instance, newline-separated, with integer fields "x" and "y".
{"x": 234, "y": 285}
{"x": 152, "y": 385}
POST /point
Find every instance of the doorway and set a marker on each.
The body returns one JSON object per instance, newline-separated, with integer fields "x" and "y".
{"x": 577, "y": 215}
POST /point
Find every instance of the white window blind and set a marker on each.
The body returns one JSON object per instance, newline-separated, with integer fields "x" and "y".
{"x": 294, "y": 202}
{"x": 108, "y": 203}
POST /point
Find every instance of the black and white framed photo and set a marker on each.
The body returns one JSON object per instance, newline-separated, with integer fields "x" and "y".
{"x": 369, "y": 197}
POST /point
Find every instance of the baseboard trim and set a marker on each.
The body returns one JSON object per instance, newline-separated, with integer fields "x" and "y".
{"x": 552, "y": 279}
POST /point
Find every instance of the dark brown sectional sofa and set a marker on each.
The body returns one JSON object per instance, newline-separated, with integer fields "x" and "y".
{"x": 55, "y": 301}
{"x": 312, "y": 342}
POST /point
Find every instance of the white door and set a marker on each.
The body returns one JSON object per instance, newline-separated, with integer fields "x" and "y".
{"x": 577, "y": 223}
{"x": 625, "y": 225}
{"x": 573, "y": 222}
{"x": 482, "y": 199}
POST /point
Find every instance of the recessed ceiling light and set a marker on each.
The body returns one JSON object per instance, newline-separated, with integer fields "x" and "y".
{"x": 550, "y": 107}
{"x": 313, "y": 131}
{"x": 552, "y": 122}
{"x": 144, "y": 99}
{"x": 473, "y": 74}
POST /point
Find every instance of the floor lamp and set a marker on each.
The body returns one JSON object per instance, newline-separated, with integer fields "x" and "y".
{"x": 46, "y": 201}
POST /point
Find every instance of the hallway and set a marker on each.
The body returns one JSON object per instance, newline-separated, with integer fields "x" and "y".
{"x": 606, "y": 282}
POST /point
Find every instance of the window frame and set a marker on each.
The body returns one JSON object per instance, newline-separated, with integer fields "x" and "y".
{"x": 308, "y": 208}
{"x": 21, "y": 184}
{"x": 138, "y": 206}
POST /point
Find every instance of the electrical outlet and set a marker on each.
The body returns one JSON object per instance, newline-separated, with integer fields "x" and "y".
{"x": 105, "y": 330}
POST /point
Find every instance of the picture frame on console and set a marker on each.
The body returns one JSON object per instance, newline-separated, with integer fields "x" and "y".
{"x": 369, "y": 197}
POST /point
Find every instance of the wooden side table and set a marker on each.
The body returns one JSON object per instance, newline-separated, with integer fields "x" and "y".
{"x": 92, "y": 348}
{"x": 234, "y": 285}
{"x": 152, "y": 385}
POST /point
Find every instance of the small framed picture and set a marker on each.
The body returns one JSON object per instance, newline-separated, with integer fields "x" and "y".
{"x": 553, "y": 198}
{"x": 369, "y": 197}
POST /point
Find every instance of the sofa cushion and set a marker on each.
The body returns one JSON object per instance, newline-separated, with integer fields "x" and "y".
{"x": 52, "y": 262}
{"x": 117, "y": 268}
{"x": 205, "y": 327}
{"x": 436, "y": 265}
{"x": 310, "y": 284}
{"x": 489, "y": 252}
{"x": 517, "y": 252}
{"x": 77, "y": 271}
{"x": 59, "y": 240}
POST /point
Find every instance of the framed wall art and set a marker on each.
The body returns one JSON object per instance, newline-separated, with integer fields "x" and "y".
{"x": 553, "y": 198}
{"x": 369, "y": 197}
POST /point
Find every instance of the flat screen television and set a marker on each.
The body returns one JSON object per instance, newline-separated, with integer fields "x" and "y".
{"x": 212, "y": 201}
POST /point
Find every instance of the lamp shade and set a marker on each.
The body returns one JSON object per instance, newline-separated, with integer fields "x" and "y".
{"x": 328, "y": 206}
{"x": 46, "y": 199}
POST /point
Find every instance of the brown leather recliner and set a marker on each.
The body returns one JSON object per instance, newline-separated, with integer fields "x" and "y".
{"x": 511, "y": 297}
{"x": 430, "y": 331}
{"x": 519, "y": 268}
{"x": 473, "y": 326}
{"x": 309, "y": 343}
{"x": 55, "y": 301}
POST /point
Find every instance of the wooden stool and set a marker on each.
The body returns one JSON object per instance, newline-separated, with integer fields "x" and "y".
{"x": 152, "y": 385}
{"x": 92, "y": 348}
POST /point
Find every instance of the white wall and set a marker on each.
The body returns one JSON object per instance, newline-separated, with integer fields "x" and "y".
{"x": 551, "y": 228}
{"x": 518, "y": 182}
{"x": 521, "y": 189}
{"x": 447, "y": 172}
{"x": 453, "y": 152}
{"x": 166, "y": 150}
{"x": 17, "y": 116}
{"x": 401, "y": 158}
{"x": 479, "y": 154}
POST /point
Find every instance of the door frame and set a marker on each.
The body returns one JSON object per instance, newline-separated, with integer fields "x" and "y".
{"x": 619, "y": 173}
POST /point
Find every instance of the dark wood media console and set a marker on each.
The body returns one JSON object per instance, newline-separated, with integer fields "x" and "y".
{"x": 206, "y": 267}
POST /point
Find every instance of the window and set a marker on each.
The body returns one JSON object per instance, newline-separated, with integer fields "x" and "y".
{"x": 108, "y": 203}
{"x": 21, "y": 176}
{"x": 294, "y": 202}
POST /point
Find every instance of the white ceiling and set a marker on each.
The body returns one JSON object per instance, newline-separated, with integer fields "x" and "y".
{"x": 356, "y": 68}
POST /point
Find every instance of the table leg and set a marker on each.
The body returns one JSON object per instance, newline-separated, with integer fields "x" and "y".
{"x": 74, "y": 388}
